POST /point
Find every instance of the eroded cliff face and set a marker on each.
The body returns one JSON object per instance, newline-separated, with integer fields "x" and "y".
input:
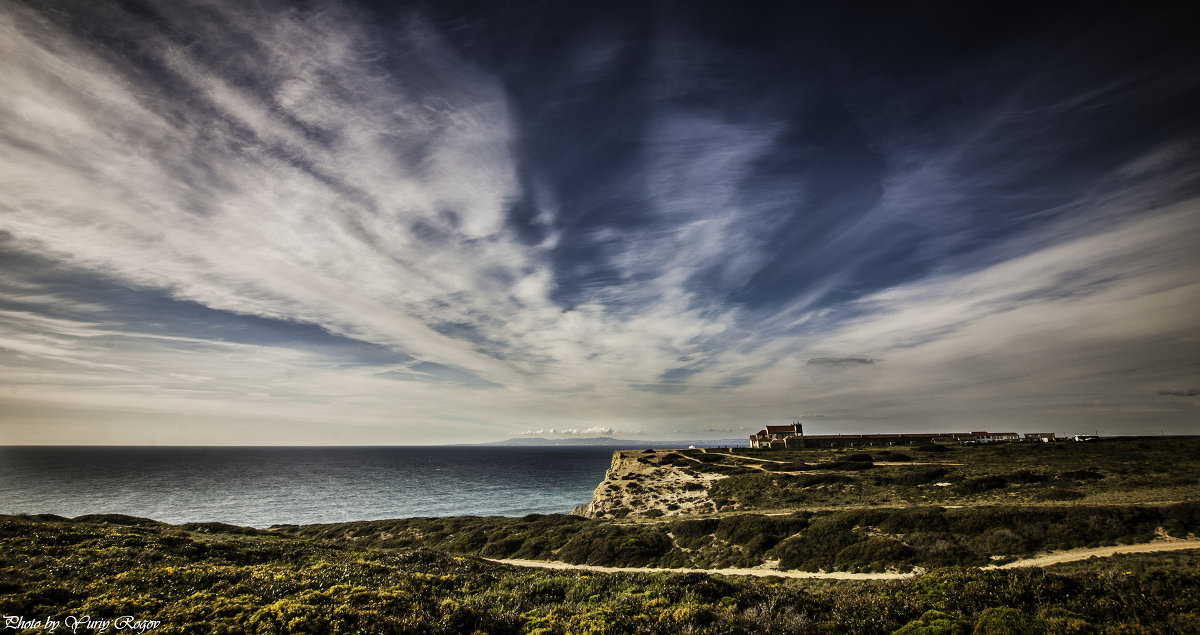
{"x": 649, "y": 483}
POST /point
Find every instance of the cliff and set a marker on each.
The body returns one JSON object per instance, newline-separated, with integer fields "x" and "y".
{"x": 650, "y": 483}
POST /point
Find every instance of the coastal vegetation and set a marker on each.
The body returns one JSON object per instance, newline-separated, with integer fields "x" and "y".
{"x": 944, "y": 516}
{"x": 852, "y": 540}
{"x": 212, "y": 578}
{"x": 1115, "y": 472}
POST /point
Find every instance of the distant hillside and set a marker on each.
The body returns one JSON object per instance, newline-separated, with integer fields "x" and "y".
{"x": 626, "y": 444}
{"x": 606, "y": 441}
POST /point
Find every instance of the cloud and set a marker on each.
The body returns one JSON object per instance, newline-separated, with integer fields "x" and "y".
{"x": 840, "y": 361}
{"x": 358, "y": 185}
{"x": 277, "y": 215}
{"x": 401, "y": 171}
{"x": 593, "y": 431}
{"x": 1174, "y": 392}
{"x": 1043, "y": 335}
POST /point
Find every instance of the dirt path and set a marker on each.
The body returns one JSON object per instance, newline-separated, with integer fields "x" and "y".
{"x": 1073, "y": 555}
{"x": 1056, "y": 557}
{"x": 836, "y": 575}
{"x": 758, "y": 463}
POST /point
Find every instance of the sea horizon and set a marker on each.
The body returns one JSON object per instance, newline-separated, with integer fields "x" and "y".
{"x": 260, "y": 486}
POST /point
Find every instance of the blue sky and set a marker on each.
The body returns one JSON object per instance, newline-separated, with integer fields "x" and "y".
{"x": 327, "y": 223}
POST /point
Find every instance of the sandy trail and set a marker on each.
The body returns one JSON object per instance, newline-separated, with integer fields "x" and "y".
{"x": 1056, "y": 557}
{"x": 1073, "y": 555}
{"x": 836, "y": 575}
{"x": 758, "y": 463}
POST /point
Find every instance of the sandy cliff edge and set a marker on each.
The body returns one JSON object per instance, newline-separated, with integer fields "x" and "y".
{"x": 644, "y": 483}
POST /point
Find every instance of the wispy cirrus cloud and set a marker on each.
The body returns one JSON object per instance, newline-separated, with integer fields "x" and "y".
{"x": 840, "y": 361}
{"x": 314, "y": 218}
{"x": 218, "y": 198}
{"x": 1088, "y": 327}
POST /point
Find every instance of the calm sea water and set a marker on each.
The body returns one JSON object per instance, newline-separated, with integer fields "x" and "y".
{"x": 265, "y": 486}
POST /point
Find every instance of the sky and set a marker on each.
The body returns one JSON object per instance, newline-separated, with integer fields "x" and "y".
{"x": 246, "y": 223}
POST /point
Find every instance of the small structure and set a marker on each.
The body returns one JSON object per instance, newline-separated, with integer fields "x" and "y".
{"x": 1042, "y": 437}
{"x": 792, "y": 436}
{"x": 995, "y": 437}
{"x": 766, "y": 437}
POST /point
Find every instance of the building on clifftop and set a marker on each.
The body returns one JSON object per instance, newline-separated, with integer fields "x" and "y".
{"x": 792, "y": 436}
{"x": 777, "y": 436}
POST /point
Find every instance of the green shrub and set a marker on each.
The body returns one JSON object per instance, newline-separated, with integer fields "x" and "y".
{"x": 913, "y": 519}
{"x": 757, "y": 533}
{"x": 1181, "y": 622}
{"x": 934, "y": 623}
{"x": 729, "y": 470}
{"x": 117, "y": 519}
{"x": 1000, "y": 541}
{"x": 609, "y": 545}
{"x": 813, "y": 480}
{"x": 671, "y": 458}
{"x": 844, "y": 465}
{"x": 1026, "y": 476}
{"x": 680, "y": 587}
{"x": 1182, "y": 518}
{"x": 1059, "y": 621}
{"x": 941, "y": 550}
{"x": 1056, "y": 494}
{"x": 693, "y": 533}
{"x": 501, "y": 547}
{"x": 917, "y": 476}
{"x": 981, "y": 484}
{"x": 1081, "y": 475}
{"x": 221, "y": 528}
{"x": 876, "y": 553}
{"x": 1003, "y": 620}
{"x": 470, "y": 541}
{"x": 790, "y": 466}
{"x": 817, "y": 546}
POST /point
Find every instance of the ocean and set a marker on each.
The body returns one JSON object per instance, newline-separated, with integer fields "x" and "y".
{"x": 259, "y": 487}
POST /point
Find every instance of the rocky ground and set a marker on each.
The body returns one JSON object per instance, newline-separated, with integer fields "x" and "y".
{"x": 647, "y": 484}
